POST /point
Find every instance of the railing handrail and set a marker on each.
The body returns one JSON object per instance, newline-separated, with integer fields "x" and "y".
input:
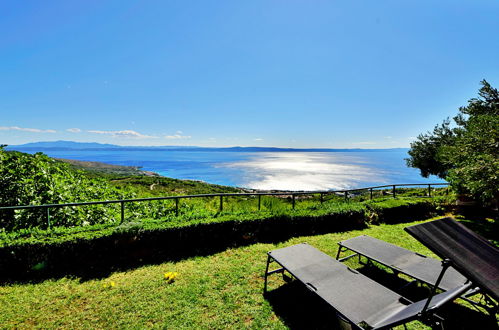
{"x": 280, "y": 193}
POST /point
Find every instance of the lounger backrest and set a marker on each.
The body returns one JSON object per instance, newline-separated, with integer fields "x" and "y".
{"x": 472, "y": 255}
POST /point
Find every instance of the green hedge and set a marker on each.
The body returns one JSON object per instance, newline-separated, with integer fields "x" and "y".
{"x": 95, "y": 253}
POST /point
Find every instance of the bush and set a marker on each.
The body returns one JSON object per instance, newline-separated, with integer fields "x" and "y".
{"x": 38, "y": 179}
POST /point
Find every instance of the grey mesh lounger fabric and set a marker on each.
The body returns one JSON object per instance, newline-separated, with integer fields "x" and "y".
{"x": 472, "y": 255}
{"x": 358, "y": 299}
{"x": 415, "y": 265}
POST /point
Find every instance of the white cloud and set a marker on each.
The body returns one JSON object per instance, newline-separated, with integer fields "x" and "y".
{"x": 388, "y": 137}
{"x": 74, "y": 130}
{"x": 177, "y": 136}
{"x": 258, "y": 139}
{"x": 124, "y": 134}
{"x": 32, "y": 130}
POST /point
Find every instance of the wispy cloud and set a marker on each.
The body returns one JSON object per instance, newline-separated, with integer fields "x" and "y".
{"x": 124, "y": 134}
{"x": 258, "y": 139}
{"x": 177, "y": 136}
{"x": 24, "y": 129}
{"x": 74, "y": 130}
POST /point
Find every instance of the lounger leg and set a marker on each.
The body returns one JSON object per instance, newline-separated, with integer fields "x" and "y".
{"x": 445, "y": 265}
{"x": 368, "y": 262}
{"x": 266, "y": 275}
{"x": 339, "y": 252}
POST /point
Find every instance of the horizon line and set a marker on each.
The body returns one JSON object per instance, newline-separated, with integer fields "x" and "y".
{"x": 205, "y": 147}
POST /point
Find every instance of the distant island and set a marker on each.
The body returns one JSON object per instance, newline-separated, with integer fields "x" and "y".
{"x": 71, "y": 145}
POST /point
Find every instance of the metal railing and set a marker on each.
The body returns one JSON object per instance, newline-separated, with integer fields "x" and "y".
{"x": 347, "y": 193}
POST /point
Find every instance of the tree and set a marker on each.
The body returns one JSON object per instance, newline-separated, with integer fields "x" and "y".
{"x": 426, "y": 151}
{"x": 465, "y": 152}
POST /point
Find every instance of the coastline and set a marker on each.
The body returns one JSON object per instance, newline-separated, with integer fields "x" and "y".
{"x": 93, "y": 166}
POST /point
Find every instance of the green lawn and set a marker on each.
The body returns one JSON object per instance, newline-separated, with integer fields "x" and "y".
{"x": 223, "y": 290}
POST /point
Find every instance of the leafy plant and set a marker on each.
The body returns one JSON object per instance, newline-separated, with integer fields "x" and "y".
{"x": 38, "y": 179}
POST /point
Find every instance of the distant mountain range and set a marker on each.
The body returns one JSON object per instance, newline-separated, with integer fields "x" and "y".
{"x": 71, "y": 145}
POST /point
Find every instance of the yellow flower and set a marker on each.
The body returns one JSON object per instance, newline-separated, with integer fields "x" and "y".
{"x": 170, "y": 276}
{"x": 112, "y": 284}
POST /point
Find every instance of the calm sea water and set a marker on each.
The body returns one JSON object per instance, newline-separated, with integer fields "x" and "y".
{"x": 267, "y": 170}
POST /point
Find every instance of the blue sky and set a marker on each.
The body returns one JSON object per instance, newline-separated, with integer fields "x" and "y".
{"x": 282, "y": 73}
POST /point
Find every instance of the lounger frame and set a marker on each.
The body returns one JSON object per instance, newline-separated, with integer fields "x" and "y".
{"x": 371, "y": 256}
{"x": 401, "y": 312}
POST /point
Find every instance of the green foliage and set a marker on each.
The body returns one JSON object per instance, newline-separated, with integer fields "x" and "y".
{"x": 162, "y": 186}
{"x": 426, "y": 152}
{"x": 193, "y": 215}
{"x": 38, "y": 179}
{"x": 467, "y": 154}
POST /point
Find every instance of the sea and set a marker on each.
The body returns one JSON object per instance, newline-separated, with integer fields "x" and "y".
{"x": 272, "y": 170}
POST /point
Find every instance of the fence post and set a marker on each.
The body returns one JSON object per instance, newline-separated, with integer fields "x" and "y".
{"x": 393, "y": 191}
{"x": 429, "y": 190}
{"x": 122, "y": 212}
{"x": 221, "y": 203}
{"x": 176, "y": 206}
{"x": 322, "y": 198}
{"x": 371, "y": 193}
{"x": 346, "y": 195}
{"x": 259, "y": 201}
{"x": 293, "y": 195}
{"x": 48, "y": 217}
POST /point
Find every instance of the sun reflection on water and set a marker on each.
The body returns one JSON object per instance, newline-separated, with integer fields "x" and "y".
{"x": 306, "y": 171}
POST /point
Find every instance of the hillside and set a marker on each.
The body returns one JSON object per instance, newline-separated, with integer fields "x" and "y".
{"x": 104, "y": 168}
{"x": 145, "y": 183}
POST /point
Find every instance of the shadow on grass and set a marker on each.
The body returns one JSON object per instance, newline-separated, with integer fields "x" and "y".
{"x": 299, "y": 308}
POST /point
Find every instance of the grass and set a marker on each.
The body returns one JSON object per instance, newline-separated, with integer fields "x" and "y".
{"x": 223, "y": 290}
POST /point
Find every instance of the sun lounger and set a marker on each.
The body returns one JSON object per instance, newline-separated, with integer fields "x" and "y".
{"x": 420, "y": 267}
{"x": 467, "y": 252}
{"x": 358, "y": 300}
